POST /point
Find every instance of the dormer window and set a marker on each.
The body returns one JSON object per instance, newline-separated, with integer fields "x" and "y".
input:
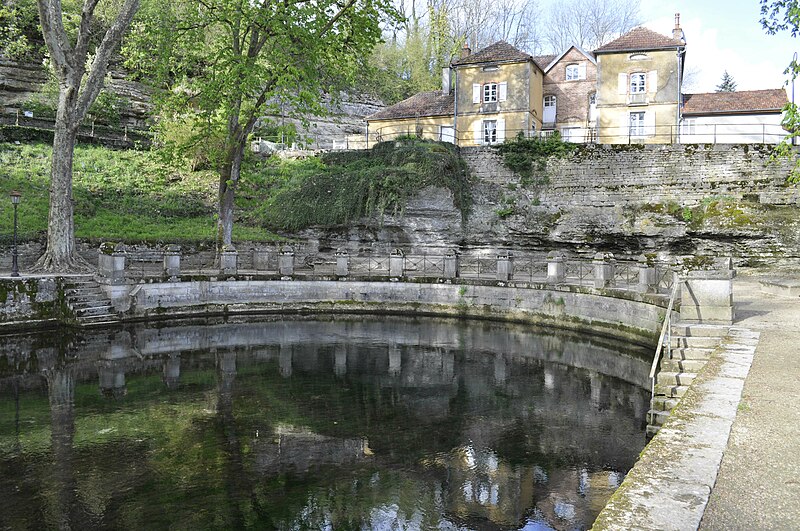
{"x": 575, "y": 72}
{"x": 490, "y": 92}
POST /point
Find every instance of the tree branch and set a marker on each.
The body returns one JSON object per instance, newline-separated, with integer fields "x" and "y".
{"x": 54, "y": 36}
{"x": 84, "y": 33}
{"x": 97, "y": 71}
{"x": 327, "y": 27}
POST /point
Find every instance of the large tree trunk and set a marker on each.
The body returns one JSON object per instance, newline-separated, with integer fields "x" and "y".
{"x": 228, "y": 181}
{"x": 60, "y": 255}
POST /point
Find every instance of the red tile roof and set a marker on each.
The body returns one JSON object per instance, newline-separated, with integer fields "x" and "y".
{"x": 543, "y": 61}
{"x": 499, "y": 52}
{"x": 640, "y": 39}
{"x": 434, "y": 103}
{"x": 745, "y": 101}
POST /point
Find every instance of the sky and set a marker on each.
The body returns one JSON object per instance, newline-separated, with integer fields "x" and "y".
{"x": 725, "y": 35}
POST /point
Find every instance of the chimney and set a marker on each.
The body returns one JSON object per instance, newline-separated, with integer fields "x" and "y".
{"x": 446, "y": 80}
{"x": 677, "y": 32}
{"x": 465, "y": 51}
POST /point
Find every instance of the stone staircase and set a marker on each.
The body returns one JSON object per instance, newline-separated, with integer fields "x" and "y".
{"x": 691, "y": 347}
{"x": 88, "y": 303}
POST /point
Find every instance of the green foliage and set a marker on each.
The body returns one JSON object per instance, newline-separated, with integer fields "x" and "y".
{"x": 19, "y": 28}
{"x": 777, "y": 16}
{"x": 727, "y": 84}
{"x": 344, "y": 187}
{"x": 528, "y": 156}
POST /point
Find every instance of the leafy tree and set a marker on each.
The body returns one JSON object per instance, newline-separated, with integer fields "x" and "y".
{"x": 228, "y": 62}
{"x": 727, "y": 84}
{"x": 784, "y": 15}
{"x": 79, "y": 52}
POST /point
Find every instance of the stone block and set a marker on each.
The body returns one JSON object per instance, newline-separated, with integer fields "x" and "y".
{"x": 228, "y": 262}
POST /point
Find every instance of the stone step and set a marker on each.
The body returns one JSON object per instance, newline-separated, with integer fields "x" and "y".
{"x": 671, "y": 391}
{"x": 664, "y": 403}
{"x": 692, "y": 353}
{"x": 657, "y": 418}
{"x": 674, "y": 378}
{"x": 695, "y": 342}
{"x": 97, "y": 310}
{"x": 99, "y": 319}
{"x": 681, "y": 365}
{"x": 702, "y": 330}
{"x": 651, "y": 431}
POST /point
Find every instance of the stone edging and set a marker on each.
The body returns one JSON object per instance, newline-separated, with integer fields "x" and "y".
{"x": 670, "y": 485}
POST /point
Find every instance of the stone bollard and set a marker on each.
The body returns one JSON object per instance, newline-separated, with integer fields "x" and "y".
{"x": 451, "y": 264}
{"x": 111, "y": 263}
{"x": 504, "y": 266}
{"x": 707, "y": 295}
{"x": 172, "y": 263}
{"x": 647, "y": 275}
{"x": 286, "y": 262}
{"x": 397, "y": 263}
{"x": 604, "y": 270}
{"x": 342, "y": 263}
{"x": 228, "y": 260}
{"x": 556, "y": 267}
{"x": 260, "y": 259}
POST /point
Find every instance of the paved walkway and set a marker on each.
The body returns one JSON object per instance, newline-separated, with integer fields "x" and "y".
{"x": 758, "y": 486}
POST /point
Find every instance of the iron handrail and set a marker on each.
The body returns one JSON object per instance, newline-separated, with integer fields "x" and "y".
{"x": 664, "y": 332}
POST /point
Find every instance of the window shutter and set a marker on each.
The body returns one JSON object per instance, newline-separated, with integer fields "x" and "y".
{"x": 501, "y": 130}
{"x": 582, "y": 70}
{"x": 477, "y": 126}
{"x": 622, "y": 84}
{"x": 502, "y": 91}
{"x": 650, "y": 123}
{"x": 476, "y": 93}
{"x": 652, "y": 81}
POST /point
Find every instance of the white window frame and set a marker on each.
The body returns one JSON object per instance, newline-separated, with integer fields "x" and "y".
{"x": 689, "y": 127}
{"x": 489, "y": 131}
{"x": 638, "y": 83}
{"x": 636, "y": 124}
{"x": 545, "y": 106}
{"x": 573, "y": 72}
{"x": 490, "y": 92}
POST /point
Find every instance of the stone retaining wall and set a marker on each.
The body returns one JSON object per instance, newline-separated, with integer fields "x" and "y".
{"x": 30, "y": 302}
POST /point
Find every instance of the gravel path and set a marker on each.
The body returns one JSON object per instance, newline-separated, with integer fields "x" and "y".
{"x": 758, "y": 486}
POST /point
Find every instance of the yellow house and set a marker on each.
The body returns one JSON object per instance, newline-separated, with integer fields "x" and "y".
{"x": 639, "y": 77}
{"x": 497, "y": 94}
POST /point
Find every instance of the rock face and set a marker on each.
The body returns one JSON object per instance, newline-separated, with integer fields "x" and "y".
{"x": 18, "y": 80}
{"x": 672, "y": 200}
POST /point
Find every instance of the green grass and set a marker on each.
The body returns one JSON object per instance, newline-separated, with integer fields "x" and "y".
{"x": 120, "y": 195}
{"x": 138, "y": 196}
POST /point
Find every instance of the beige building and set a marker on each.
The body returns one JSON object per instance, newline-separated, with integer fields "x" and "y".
{"x": 639, "y": 87}
{"x": 626, "y": 91}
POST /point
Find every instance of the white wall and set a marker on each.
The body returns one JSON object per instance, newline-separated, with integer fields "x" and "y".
{"x": 732, "y": 129}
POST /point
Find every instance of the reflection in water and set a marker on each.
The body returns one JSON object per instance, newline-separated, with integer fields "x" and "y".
{"x": 331, "y": 423}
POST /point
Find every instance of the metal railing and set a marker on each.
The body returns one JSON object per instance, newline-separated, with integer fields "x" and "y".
{"x": 665, "y": 336}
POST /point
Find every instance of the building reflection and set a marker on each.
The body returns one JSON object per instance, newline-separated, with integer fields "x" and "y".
{"x": 493, "y": 429}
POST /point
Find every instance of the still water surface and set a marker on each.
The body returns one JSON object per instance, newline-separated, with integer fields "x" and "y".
{"x": 331, "y": 423}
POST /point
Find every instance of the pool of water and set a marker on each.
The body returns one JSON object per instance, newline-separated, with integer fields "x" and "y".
{"x": 323, "y": 423}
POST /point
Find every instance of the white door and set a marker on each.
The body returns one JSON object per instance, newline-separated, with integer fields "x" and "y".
{"x": 549, "y": 110}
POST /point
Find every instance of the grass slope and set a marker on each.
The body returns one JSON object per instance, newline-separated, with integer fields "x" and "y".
{"x": 136, "y": 196}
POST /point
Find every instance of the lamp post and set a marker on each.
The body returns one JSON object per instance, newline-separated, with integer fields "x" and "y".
{"x": 14, "y": 268}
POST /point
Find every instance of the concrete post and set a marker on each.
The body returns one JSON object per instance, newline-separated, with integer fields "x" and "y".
{"x": 604, "y": 270}
{"x": 172, "y": 263}
{"x": 451, "y": 264}
{"x": 556, "y": 267}
{"x": 397, "y": 263}
{"x": 707, "y": 295}
{"x": 260, "y": 259}
{"x": 228, "y": 260}
{"x": 504, "y": 266}
{"x": 647, "y": 275}
{"x": 342, "y": 263}
{"x": 286, "y": 262}
{"x": 111, "y": 263}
